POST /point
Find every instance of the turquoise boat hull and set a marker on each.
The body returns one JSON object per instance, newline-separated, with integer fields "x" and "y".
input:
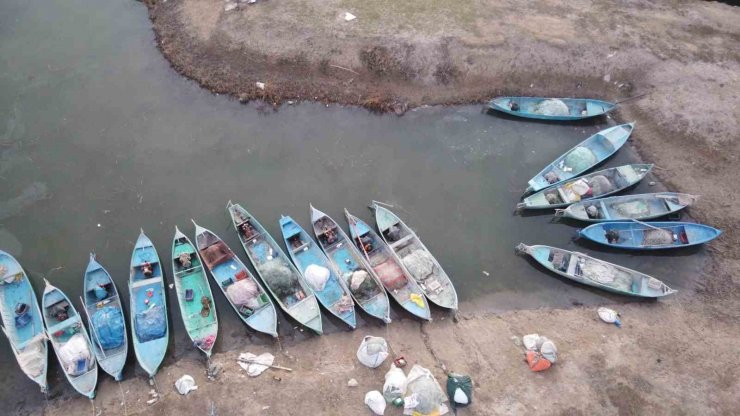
{"x": 26, "y": 337}
{"x": 347, "y": 260}
{"x": 628, "y": 207}
{"x": 147, "y": 293}
{"x": 335, "y": 296}
{"x": 111, "y": 360}
{"x": 578, "y": 108}
{"x": 641, "y": 236}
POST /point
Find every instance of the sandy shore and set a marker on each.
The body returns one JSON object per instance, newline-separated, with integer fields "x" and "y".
{"x": 675, "y": 356}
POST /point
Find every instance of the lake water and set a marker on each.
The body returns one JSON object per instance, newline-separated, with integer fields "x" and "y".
{"x": 99, "y": 137}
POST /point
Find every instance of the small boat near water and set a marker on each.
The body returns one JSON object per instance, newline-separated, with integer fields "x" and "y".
{"x": 590, "y": 271}
{"x": 399, "y": 284}
{"x": 582, "y": 157}
{"x": 105, "y": 319}
{"x": 556, "y": 109}
{"x": 243, "y": 291}
{"x": 592, "y": 186}
{"x": 415, "y": 258}
{"x": 634, "y": 235}
{"x": 318, "y": 271}
{"x": 628, "y": 207}
{"x": 22, "y": 322}
{"x": 282, "y": 279}
{"x": 70, "y": 340}
{"x": 351, "y": 266}
{"x": 194, "y": 295}
{"x": 148, "y": 306}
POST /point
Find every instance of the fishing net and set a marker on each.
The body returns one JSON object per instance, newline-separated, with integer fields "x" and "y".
{"x": 281, "y": 278}
{"x": 244, "y": 292}
{"x": 215, "y": 254}
{"x": 632, "y": 209}
{"x": 363, "y": 286}
{"x": 657, "y": 237}
{"x": 391, "y": 275}
{"x": 108, "y": 325}
{"x": 600, "y": 185}
{"x": 424, "y": 395}
{"x": 150, "y": 324}
{"x": 552, "y": 107}
{"x": 420, "y": 264}
{"x": 33, "y": 358}
{"x": 580, "y": 159}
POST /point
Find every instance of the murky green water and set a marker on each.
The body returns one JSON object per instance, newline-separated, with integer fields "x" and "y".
{"x": 98, "y": 137}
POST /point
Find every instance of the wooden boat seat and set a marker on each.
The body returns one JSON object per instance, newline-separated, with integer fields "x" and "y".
{"x": 299, "y": 248}
{"x": 401, "y": 242}
{"x": 145, "y": 282}
{"x": 61, "y": 326}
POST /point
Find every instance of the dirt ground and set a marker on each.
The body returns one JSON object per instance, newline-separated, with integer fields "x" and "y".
{"x": 672, "y": 357}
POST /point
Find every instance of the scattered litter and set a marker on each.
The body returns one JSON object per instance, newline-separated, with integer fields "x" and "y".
{"x": 651, "y": 183}
{"x": 515, "y": 339}
{"x": 460, "y": 389}
{"x": 276, "y": 378}
{"x": 400, "y": 362}
{"x": 611, "y": 55}
{"x": 607, "y": 77}
{"x": 151, "y": 401}
{"x": 424, "y": 395}
{"x": 212, "y": 371}
{"x": 230, "y": 6}
{"x": 374, "y": 400}
{"x": 185, "y": 385}
{"x": 264, "y": 407}
{"x": 172, "y": 285}
{"x": 395, "y": 384}
{"x": 260, "y": 85}
{"x": 541, "y": 352}
{"x": 352, "y": 383}
{"x": 348, "y": 17}
{"x": 610, "y": 316}
{"x": 255, "y": 364}
{"x": 486, "y": 273}
{"x": 373, "y": 351}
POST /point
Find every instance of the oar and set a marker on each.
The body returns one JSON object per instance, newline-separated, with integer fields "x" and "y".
{"x": 634, "y": 97}
{"x": 648, "y": 225}
{"x": 353, "y": 225}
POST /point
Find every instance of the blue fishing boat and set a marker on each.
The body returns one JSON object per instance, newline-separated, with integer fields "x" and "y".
{"x": 70, "y": 340}
{"x": 628, "y": 207}
{"x": 22, "y": 321}
{"x": 417, "y": 260}
{"x": 282, "y": 279}
{"x": 634, "y": 235}
{"x": 594, "y": 185}
{"x": 351, "y": 266}
{"x": 244, "y": 293}
{"x": 317, "y": 270}
{"x": 402, "y": 287}
{"x": 194, "y": 294}
{"x": 105, "y": 319}
{"x": 597, "y": 273}
{"x": 582, "y": 157}
{"x": 556, "y": 109}
{"x": 148, "y": 306}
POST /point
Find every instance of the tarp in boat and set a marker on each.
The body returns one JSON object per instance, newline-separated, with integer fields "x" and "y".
{"x": 580, "y": 159}
{"x": 317, "y": 276}
{"x": 73, "y": 352}
{"x": 33, "y": 358}
{"x": 244, "y": 292}
{"x": 150, "y": 324}
{"x": 280, "y": 277}
{"x": 108, "y": 324}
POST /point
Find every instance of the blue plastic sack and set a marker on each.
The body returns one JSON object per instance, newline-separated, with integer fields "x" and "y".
{"x": 108, "y": 324}
{"x": 150, "y": 324}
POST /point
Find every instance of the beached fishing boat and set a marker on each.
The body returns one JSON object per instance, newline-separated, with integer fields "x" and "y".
{"x": 282, "y": 279}
{"x": 649, "y": 235}
{"x": 556, "y": 109}
{"x": 628, "y": 207}
{"x": 590, "y": 271}
{"x": 244, "y": 293}
{"x": 70, "y": 340}
{"x": 194, "y": 295}
{"x": 148, "y": 306}
{"x": 396, "y": 280}
{"x": 414, "y": 256}
{"x": 351, "y": 266}
{"x": 22, "y": 322}
{"x": 582, "y": 157}
{"x": 105, "y": 319}
{"x": 318, "y": 272}
{"x": 594, "y": 185}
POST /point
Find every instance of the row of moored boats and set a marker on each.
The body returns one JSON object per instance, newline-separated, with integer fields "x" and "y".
{"x": 337, "y": 270}
{"x": 619, "y": 221}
